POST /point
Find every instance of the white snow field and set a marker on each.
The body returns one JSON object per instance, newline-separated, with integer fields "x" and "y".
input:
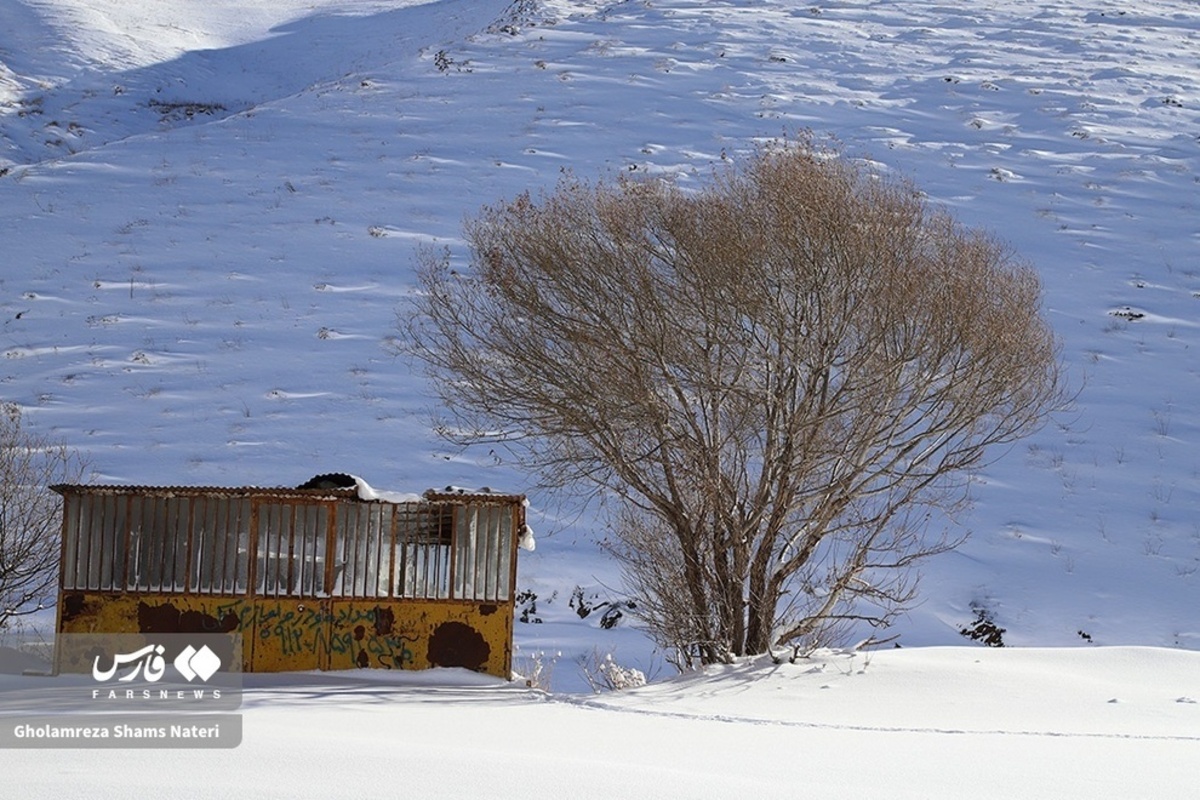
{"x": 914, "y": 723}
{"x": 212, "y": 213}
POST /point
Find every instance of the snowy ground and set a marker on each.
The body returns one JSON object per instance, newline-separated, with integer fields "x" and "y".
{"x": 914, "y": 723}
{"x": 212, "y": 212}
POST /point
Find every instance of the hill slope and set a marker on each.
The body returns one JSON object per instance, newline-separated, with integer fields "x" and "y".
{"x": 212, "y": 216}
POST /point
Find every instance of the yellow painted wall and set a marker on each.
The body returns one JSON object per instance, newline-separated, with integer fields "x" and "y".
{"x": 419, "y": 635}
{"x": 288, "y": 634}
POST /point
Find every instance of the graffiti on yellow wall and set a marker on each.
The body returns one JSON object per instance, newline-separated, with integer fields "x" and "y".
{"x": 300, "y": 634}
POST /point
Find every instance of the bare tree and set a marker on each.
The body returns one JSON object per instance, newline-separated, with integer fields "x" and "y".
{"x": 30, "y": 518}
{"x": 775, "y": 381}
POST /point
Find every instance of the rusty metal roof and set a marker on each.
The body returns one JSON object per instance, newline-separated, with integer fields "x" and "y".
{"x": 450, "y": 494}
{"x": 482, "y": 495}
{"x": 225, "y": 491}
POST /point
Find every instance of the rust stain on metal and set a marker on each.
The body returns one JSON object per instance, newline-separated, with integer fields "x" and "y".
{"x": 166, "y": 618}
{"x": 385, "y": 621}
{"x": 455, "y": 644}
{"x": 72, "y": 606}
{"x": 487, "y": 609}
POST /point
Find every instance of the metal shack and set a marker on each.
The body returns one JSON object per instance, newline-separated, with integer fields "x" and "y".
{"x": 311, "y": 578}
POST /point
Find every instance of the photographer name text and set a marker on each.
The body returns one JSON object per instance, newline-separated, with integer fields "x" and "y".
{"x": 116, "y": 731}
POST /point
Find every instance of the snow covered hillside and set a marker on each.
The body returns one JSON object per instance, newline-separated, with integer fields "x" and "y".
{"x": 211, "y": 213}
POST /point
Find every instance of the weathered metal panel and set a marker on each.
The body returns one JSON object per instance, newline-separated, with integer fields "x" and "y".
{"x": 481, "y": 563}
{"x": 289, "y": 634}
{"x": 411, "y": 634}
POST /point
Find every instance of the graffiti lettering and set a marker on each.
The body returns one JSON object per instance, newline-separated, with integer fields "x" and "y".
{"x": 298, "y": 634}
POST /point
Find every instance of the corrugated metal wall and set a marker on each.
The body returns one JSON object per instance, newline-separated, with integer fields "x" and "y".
{"x": 288, "y": 547}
